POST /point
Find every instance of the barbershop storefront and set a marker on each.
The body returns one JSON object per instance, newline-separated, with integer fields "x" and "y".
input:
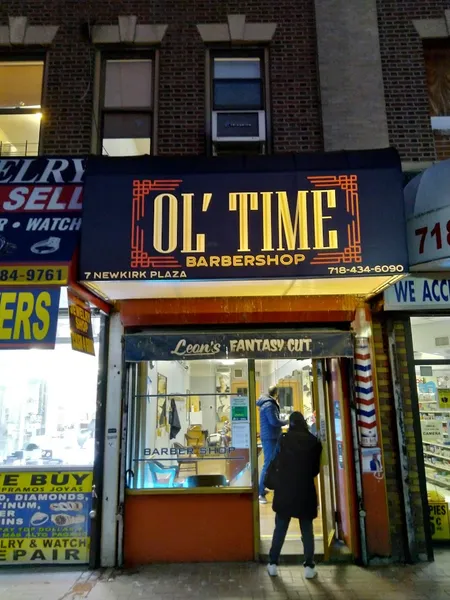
{"x": 229, "y": 276}
{"x": 49, "y": 362}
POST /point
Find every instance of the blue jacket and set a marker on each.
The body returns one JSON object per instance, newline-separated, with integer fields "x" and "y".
{"x": 270, "y": 422}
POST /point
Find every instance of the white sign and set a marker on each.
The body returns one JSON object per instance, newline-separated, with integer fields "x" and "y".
{"x": 431, "y": 430}
{"x": 415, "y": 293}
{"x": 240, "y": 435}
{"x": 429, "y": 236}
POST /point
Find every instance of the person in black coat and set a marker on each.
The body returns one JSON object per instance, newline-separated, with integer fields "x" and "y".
{"x": 297, "y": 466}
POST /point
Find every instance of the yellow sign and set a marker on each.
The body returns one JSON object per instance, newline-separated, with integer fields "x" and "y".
{"x": 28, "y": 317}
{"x": 440, "y": 528}
{"x": 32, "y": 551}
{"x": 45, "y": 517}
{"x": 34, "y": 275}
{"x": 444, "y": 398}
{"x": 80, "y": 324}
{"x": 33, "y": 482}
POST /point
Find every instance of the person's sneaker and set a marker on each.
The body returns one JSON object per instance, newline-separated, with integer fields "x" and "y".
{"x": 310, "y": 572}
{"x": 272, "y": 570}
{"x": 262, "y": 500}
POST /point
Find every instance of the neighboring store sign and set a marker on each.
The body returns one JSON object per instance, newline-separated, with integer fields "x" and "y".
{"x": 80, "y": 324}
{"x": 439, "y": 521}
{"x": 415, "y": 293}
{"x": 429, "y": 236}
{"x": 238, "y": 345}
{"x": 28, "y": 317}
{"x": 40, "y": 218}
{"x": 196, "y": 220}
{"x": 45, "y": 517}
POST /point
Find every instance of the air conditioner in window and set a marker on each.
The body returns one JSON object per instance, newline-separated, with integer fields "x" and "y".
{"x": 239, "y": 126}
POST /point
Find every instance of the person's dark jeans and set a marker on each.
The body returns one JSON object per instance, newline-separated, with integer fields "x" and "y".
{"x": 279, "y": 535}
{"x": 268, "y": 451}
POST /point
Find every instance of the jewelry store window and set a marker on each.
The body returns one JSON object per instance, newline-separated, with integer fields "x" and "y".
{"x": 48, "y": 402}
{"x": 188, "y": 424}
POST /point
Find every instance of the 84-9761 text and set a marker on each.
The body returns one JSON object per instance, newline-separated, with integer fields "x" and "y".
{"x": 55, "y": 275}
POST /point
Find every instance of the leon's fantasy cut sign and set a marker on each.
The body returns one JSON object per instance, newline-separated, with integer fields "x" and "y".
{"x": 220, "y": 345}
{"x": 241, "y": 224}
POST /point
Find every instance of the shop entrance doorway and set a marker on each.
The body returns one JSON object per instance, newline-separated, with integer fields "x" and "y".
{"x": 319, "y": 390}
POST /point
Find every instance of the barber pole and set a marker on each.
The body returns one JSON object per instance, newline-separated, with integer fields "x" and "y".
{"x": 365, "y": 399}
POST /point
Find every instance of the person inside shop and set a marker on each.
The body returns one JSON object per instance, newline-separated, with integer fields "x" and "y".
{"x": 270, "y": 431}
{"x": 295, "y": 466}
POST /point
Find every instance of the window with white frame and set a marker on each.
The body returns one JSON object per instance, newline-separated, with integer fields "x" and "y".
{"x": 21, "y": 84}
{"x": 127, "y": 110}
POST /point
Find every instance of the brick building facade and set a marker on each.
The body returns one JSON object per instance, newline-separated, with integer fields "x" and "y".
{"x": 344, "y": 75}
{"x": 181, "y": 90}
{"x": 310, "y": 83}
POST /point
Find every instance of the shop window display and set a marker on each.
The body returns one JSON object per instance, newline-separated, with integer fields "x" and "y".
{"x": 48, "y": 404}
{"x": 189, "y": 422}
{"x": 186, "y": 427}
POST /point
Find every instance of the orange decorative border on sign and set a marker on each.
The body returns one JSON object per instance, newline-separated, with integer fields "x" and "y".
{"x": 139, "y": 257}
{"x": 352, "y": 252}
{"x": 141, "y": 188}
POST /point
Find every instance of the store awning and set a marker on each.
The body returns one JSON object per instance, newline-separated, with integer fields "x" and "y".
{"x": 427, "y": 203}
{"x": 311, "y": 224}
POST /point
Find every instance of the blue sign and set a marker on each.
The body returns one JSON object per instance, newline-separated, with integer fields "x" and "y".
{"x": 282, "y": 216}
{"x": 40, "y": 209}
{"x": 267, "y": 344}
{"x": 418, "y": 293}
{"x": 427, "y": 388}
{"x": 28, "y": 317}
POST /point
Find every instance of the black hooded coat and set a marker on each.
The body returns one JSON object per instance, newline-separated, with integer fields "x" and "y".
{"x": 298, "y": 463}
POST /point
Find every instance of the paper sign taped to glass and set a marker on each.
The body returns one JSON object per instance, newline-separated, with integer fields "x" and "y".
{"x": 431, "y": 429}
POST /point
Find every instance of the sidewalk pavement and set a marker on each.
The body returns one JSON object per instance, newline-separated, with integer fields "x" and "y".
{"x": 232, "y": 582}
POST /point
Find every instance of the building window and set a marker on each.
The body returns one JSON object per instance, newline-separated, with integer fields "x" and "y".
{"x": 127, "y": 110}
{"x": 437, "y": 63}
{"x": 20, "y": 107}
{"x": 238, "y": 104}
{"x": 237, "y": 84}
